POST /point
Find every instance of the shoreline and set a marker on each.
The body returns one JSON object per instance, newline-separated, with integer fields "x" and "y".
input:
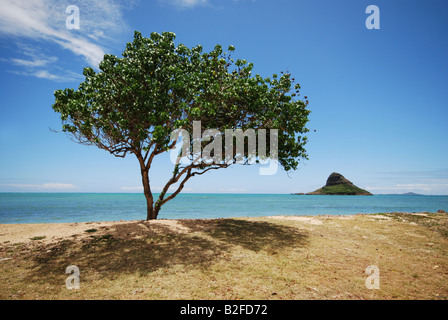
{"x": 57, "y": 231}
{"x": 221, "y": 217}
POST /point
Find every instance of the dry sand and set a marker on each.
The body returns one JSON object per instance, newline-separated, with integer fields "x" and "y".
{"x": 54, "y": 232}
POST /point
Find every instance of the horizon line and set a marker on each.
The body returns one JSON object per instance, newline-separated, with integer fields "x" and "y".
{"x": 229, "y": 193}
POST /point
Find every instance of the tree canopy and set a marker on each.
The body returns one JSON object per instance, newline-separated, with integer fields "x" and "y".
{"x": 133, "y": 103}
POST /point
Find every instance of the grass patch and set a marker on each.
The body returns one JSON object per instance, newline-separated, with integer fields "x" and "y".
{"x": 37, "y": 238}
{"x": 106, "y": 240}
{"x": 435, "y": 221}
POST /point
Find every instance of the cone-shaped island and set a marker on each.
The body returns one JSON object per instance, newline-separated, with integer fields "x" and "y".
{"x": 337, "y": 184}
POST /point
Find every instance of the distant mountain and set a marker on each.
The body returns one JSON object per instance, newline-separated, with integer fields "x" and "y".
{"x": 411, "y": 194}
{"x": 337, "y": 184}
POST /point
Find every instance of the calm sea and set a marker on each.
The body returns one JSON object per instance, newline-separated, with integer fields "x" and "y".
{"x": 81, "y": 207}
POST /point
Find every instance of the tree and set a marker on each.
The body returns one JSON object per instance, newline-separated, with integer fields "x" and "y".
{"x": 133, "y": 104}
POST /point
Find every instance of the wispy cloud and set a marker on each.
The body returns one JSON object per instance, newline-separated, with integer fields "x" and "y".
{"x": 420, "y": 181}
{"x": 426, "y": 188}
{"x": 132, "y": 189}
{"x": 185, "y": 4}
{"x": 420, "y": 174}
{"x": 37, "y": 64}
{"x": 45, "y": 74}
{"x": 64, "y": 76}
{"x": 33, "y": 62}
{"x": 44, "y": 21}
{"x": 188, "y": 4}
{"x": 233, "y": 190}
{"x": 45, "y": 186}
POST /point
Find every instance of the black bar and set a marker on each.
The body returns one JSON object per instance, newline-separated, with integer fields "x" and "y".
{"x": 228, "y": 309}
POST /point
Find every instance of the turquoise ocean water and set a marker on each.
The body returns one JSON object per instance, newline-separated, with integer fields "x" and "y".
{"x": 81, "y": 207}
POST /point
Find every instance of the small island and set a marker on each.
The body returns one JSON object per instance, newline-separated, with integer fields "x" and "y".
{"x": 337, "y": 184}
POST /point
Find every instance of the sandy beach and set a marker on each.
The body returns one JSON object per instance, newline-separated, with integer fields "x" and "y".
{"x": 54, "y": 232}
{"x": 277, "y": 257}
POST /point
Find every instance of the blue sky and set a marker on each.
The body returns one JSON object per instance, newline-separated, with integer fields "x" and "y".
{"x": 379, "y": 98}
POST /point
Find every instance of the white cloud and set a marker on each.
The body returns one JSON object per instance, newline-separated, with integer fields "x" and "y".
{"x": 417, "y": 185}
{"x": 423, "y": 181}
{"x": 233, "y": 190}
{"x": 44, "y": 74}
{"x": 192, "y": 3}
{"x": 45, "y": 186}
{"x": 132, "y": 189}
{"x": 64, "y": 76}
{"x": 44, "y": 21}
{"x": 96, "y": 35}
{"x": 426, "y": 188}
{"x": 183, "y": 4}
{"x": 58, "y": 186}
{"x": 188, "y": 4}
{"x": 37, "y": 64}
{"x": 34, "y": 62}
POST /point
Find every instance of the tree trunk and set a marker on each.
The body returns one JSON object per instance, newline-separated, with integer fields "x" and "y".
{"x": 156, "y": 211}
{"x": 151, "y": 214}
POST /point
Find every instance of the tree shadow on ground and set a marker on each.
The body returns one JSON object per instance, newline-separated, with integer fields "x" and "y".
{"x": 146, "y": 247}
{"x": 252, "y": 235}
